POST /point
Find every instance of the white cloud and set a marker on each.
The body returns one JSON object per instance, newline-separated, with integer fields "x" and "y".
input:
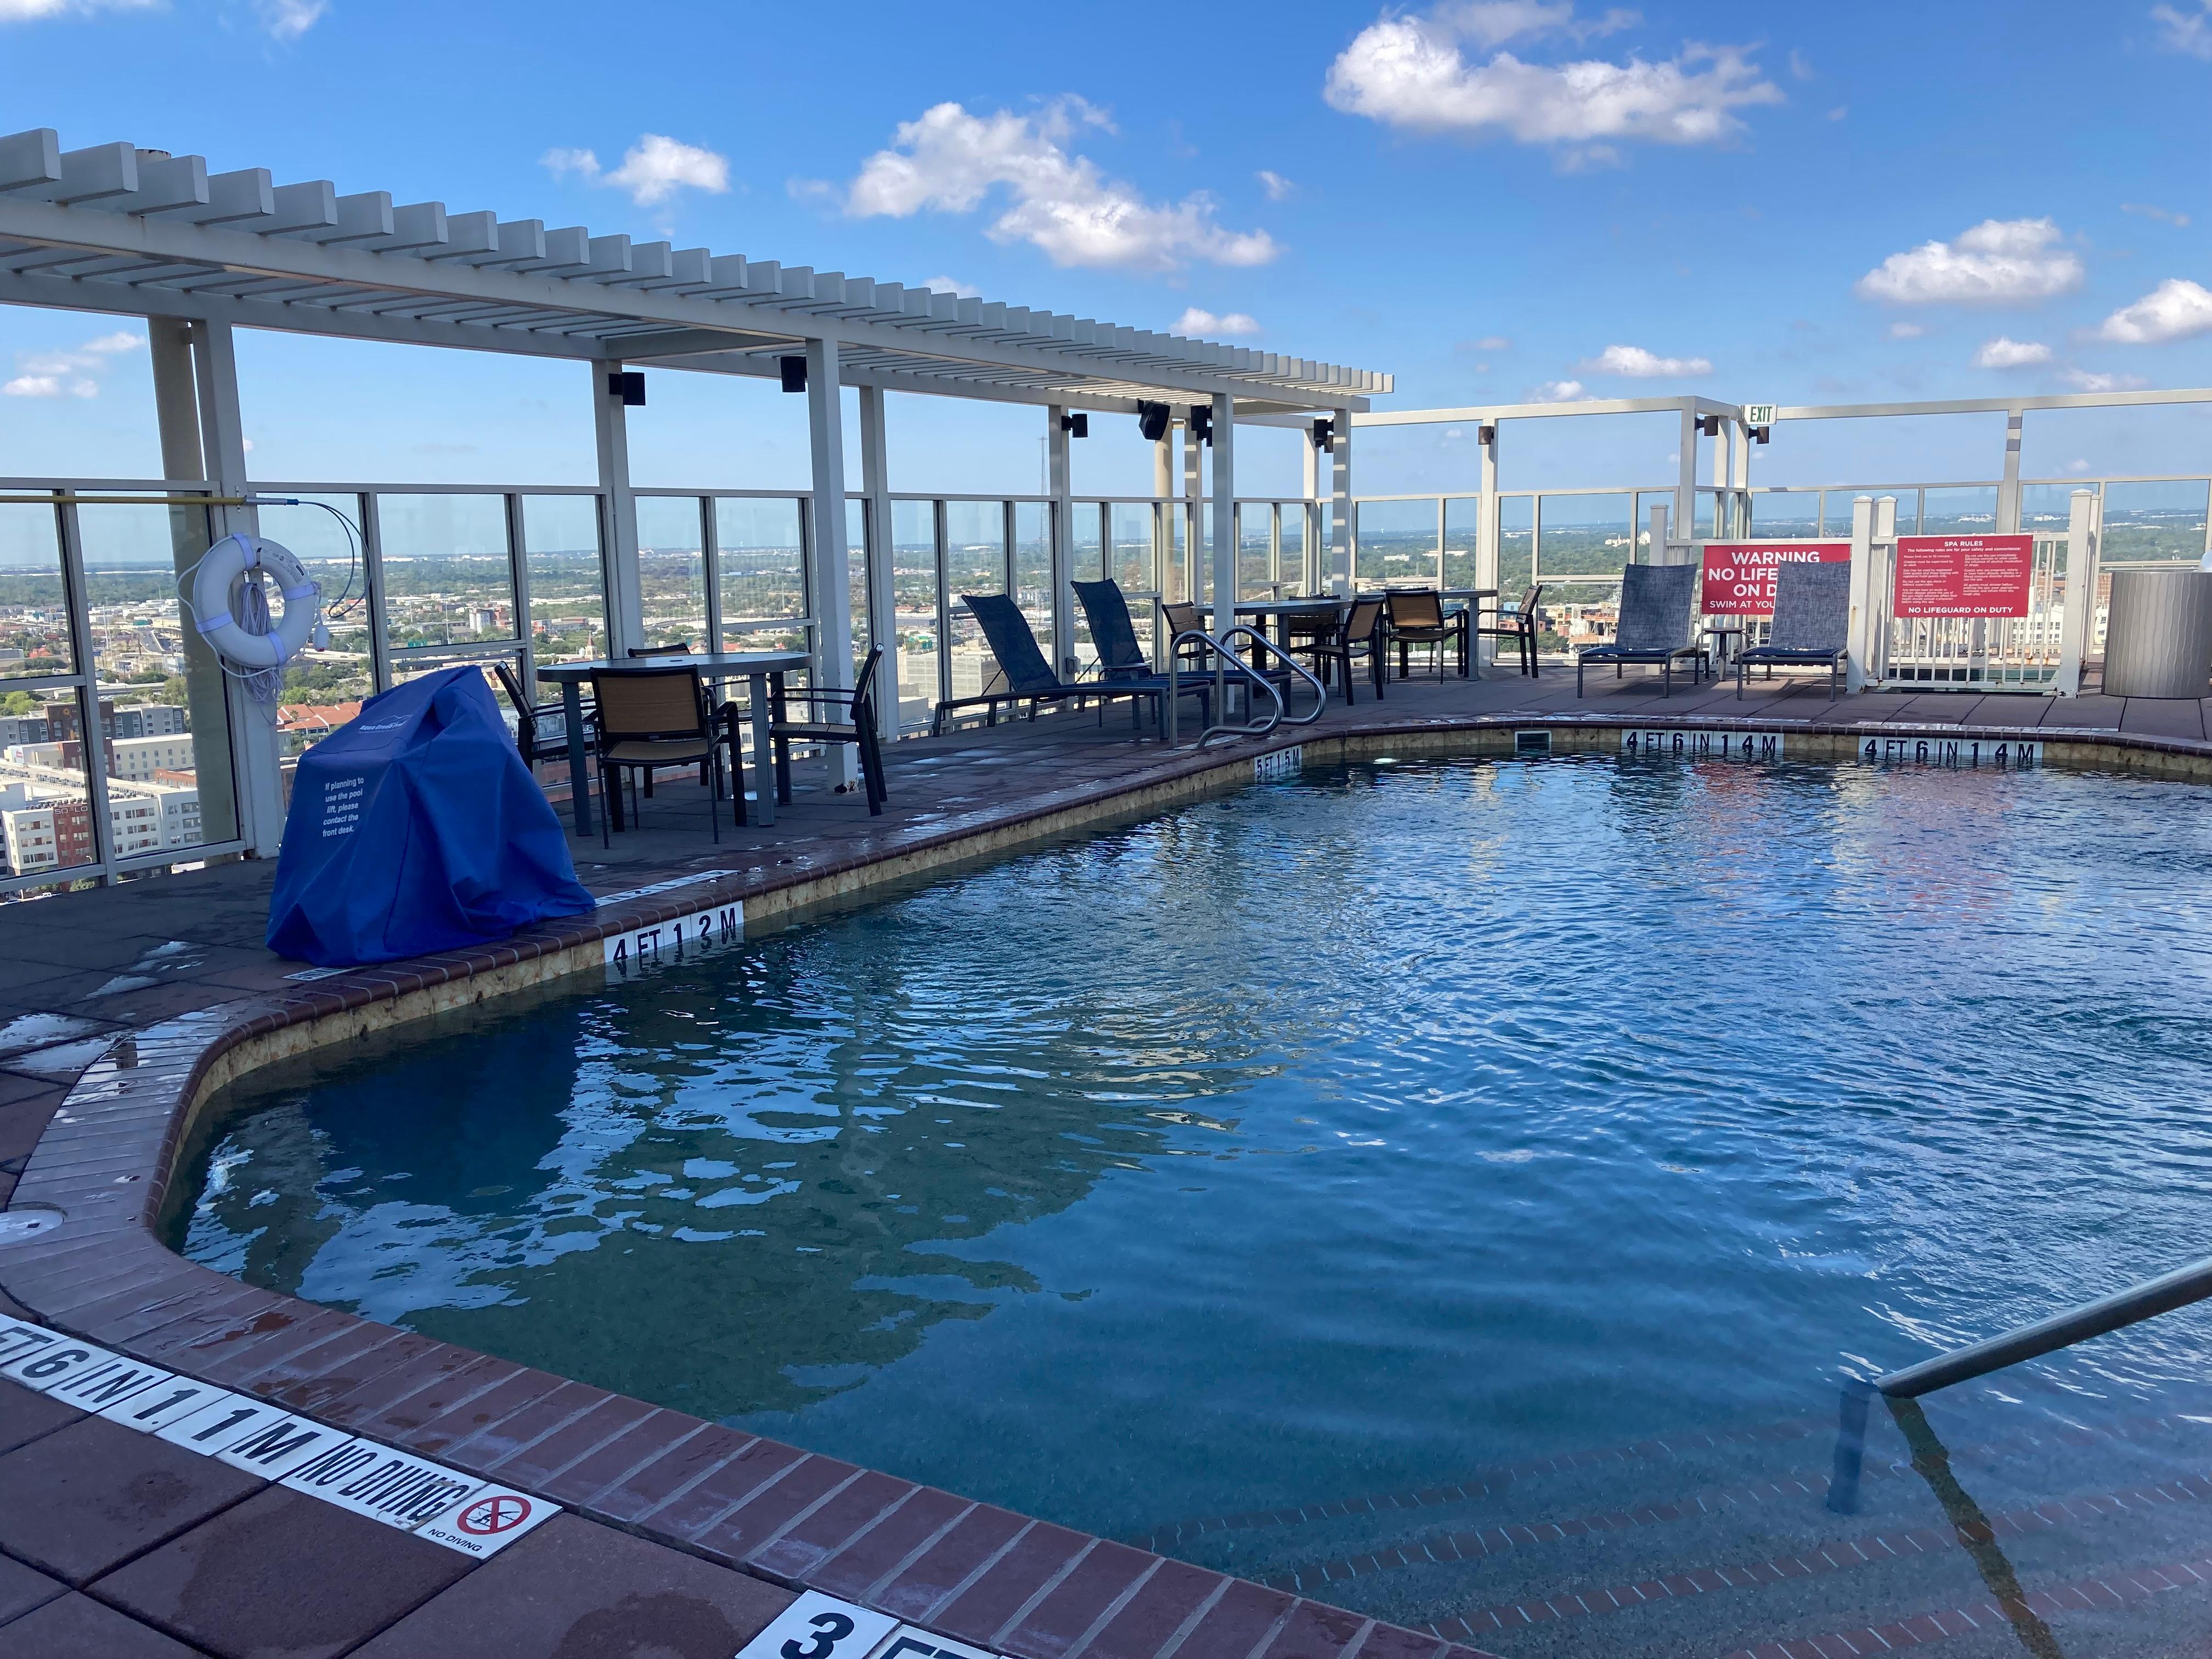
{"x": 2187, "y": 32}
{"x": 1998, "y": 262}
{"x": 287, "y": 20}
{"x": 1409, "y": 71}
{"x": 1488, "y": 342}
{"x": 32, "y": 386}
{"x": 2144, "y": 209}
{"x": 1906, "y": 330}
{"x": 948, "y": 161}
{"x": 50, "y": 373}
{"x": 654, "y": 169}
{"x": 2082, "y": 380}
{"x": 1558, "y": 391}
{"x": 1839, "y": 112}
{"x": 2004, "y": 353}
{"x": 1639, "y": 364}
{"x": 2174, "y": 310}
{"x": 31, "y": 11}
{"x": 1279, "y": 188}
{"x": 107, "y": 345}
{"x": 1800, "y": 69}
{"x": 1195, "y": 324}
{"x": 954, "y": 285}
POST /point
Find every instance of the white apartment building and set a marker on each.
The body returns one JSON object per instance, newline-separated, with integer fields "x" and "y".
{"x": 137, "y": 759}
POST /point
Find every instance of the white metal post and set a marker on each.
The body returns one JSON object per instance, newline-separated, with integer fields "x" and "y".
{"x": 1309, "y": 562}
{"x": 1685, "y": 475}
{"x": 1485, "y": 540}
{"x": 1740, "y": 479}
{"x": 1194, "y": 526}
{"x": 1224, "y": 511}
{"x": 2081, "y": 539}
{"x": 256, "y": 752}
{"x": 1342, "y": 544}
{"x": 625, "y": 588}
{"x": 1659, "y": 533}
{"x": 1163, "y": 531}
{"x": 882, "y": 615}
{"x": 2009, "y": 491}
{"x": 833, "y": 573}
{"x": 1860, "y": 635}
{"x": 1063, "y": 537}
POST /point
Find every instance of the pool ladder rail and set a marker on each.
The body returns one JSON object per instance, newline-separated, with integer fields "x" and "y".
{"x": 1226, "y": 662}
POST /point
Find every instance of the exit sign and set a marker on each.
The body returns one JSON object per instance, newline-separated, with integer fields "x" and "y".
{"x": 1759, "y": 414}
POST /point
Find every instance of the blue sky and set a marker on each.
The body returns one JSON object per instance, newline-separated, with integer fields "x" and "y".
{"x": 1495, "y": 201}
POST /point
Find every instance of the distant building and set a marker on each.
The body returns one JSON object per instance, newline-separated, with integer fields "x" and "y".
{"x": 135, "y": 758}
{"x": 303, "y": 724}
{"x": 149, "y": 719}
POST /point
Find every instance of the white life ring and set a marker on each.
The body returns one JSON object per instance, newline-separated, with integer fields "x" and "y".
{"x": 220, "y": 570}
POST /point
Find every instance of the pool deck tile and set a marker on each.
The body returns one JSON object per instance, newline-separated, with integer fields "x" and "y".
{"x": 544, "y": 1465}
{"x": 863, "y": 1560}
{"x": 670, "y": 1474}
{"x": 1172, "y": 1596}
{"x": 283, "y": 1576}
{"x": 1241, "y": 1621}
{"x": 75, "y": 1627}
{"x": 758, "y": 1468}
{"x": 1057, "y": 1625}
{"x": 533, "y": 1419}
{"x": 572, "y": 1590}
{"x": 1002, "y": 1595}
{"x": 401, "y": 1412}
{"x": 1315, "y": 1631}
{"x": 346, "y": 1378}
{"x": 80, "y": 1501}
{"x": 27, "y": 1415}
{"x": 608, "y": 1467}
{"x": 22, "y": 1588}
{"x": 915, "y": 1590}
{"x": 482, "y": 1417}
{"x": 803, "y": 1547}
{"x": 1392, "y": 1642}
{"x": 741, "y": 1534}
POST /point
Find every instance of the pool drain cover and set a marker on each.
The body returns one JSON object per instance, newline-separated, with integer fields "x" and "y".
{"x": 17, "y": 1226}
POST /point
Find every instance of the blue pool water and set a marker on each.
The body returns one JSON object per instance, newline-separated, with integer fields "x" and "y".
{"x": 1330, "y": 1138}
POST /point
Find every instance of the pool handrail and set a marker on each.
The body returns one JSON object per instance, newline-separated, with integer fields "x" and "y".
{"x": 2152, "y": 1297}
{"x": 1225, "y": 658}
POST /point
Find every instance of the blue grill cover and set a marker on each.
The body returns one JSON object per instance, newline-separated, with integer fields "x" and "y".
{"x": 416, "y": 828}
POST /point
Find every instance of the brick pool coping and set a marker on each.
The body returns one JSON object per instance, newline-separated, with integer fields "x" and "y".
{"x": 796, "y": 1519}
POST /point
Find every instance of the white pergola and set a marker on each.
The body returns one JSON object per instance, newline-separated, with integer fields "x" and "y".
{"x": 115, "y": 228}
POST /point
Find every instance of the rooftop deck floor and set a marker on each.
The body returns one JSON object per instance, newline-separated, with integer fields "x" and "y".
{"x": 90, "y": 1564}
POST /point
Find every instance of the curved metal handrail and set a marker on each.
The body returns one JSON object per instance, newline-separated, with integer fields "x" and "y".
{"x": 1320, "y": 691}
{"x": 1225, "y": 657}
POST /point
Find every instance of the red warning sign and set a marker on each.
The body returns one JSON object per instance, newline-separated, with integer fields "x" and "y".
{"x": 1739, "y": 576}
{"x": 487, "y": 1517}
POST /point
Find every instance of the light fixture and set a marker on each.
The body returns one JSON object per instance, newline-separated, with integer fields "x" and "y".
{"x": 1201, "y": 422}
{"x": 629, "y": 385}
{"x": 1709, "y": 426}
{"x": 1323, "y": 432}
{"x": 1761, "y": 432}
{"x": 1076, "y": 426}
{"x": 793, "y": 371}
{"x": 1152, "y": 420}
{"x": 1485, "y": 434}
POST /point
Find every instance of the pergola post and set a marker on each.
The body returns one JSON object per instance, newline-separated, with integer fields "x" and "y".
{"x": 883, "y": 613}
{"x": 1740, "y": 476}
{"x": 1192, "y": 525}
{"x": 1063, "y": 512}
{"x": 832, "y": 574}
{"x": 1686, "y": 479}
{"x": 1162, "y": 531}
{"x": 1341, "y": 541}
{"x": 1224, "y": 511}
{"x": 625, "y": 587}
{"x": 1309, "y": 485}
{"x": 256, "y": 749}
{"x": 1486, "y": 539}
{"x": 2009, "y": 491}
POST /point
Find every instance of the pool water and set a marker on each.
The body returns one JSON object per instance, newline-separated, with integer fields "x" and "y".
{"x": 1339, "y": 1136}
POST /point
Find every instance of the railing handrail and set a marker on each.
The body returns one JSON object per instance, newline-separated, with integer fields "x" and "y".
{"x": 1170, "y": 715}
{"x": 2152, "y": 1297}
{"x": 1320, "y": 691}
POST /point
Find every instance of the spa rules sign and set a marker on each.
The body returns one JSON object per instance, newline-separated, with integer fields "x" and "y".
{"x": 1739, "y": 576}
{"x": 1964, "y": 575}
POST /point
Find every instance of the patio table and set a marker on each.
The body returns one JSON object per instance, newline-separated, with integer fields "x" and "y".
{"x": 758, "y": 669}
{"x": 1283, "y": 609}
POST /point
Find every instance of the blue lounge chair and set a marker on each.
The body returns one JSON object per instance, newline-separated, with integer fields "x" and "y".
{"x": 1113, "y": 632}
{"x": 1812, "y": 625}
{"x": 1029, "y": 678}
{"x": 1655, "y": 602}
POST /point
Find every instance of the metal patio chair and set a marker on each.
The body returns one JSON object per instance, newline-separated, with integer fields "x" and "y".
{"x": 1655, "y": 603}
{"x": 541, "y": 730}
{"x": 1519, "y": 625}
{"x": 1417, "y": 617}
{"x": 858, "y": 729}
{"x": 1812, "y": 625}
{"x": 1029, "y": 680}
{"x": 1358, "y": 632}
{"x": 651, "y": 717}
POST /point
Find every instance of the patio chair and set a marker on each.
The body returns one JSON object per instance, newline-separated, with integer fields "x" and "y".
{"x": 858, "y": 730}
{"x": 1416, "y": 616}
{"x": 1187, "y": 618}
{"x": 1357, "y": 631}
{"x": 1113, "y": 630}
{"x": 540, "y": 729}
{"x": 652, "y": 717}
{"x": 1655, "y": 602}
{"x": 706, "y": 702}
{"x": 1029, "y": 678}
{"x": 1812, "y": 625}
{"x": 1519, "y": 625}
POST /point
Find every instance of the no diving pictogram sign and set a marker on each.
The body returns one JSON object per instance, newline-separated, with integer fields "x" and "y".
{"x": 488, "y": 1520}
{"x": 488, "y": 1516}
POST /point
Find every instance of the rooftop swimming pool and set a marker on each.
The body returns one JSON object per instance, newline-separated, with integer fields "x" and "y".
{"x": 1350, "y": 1135}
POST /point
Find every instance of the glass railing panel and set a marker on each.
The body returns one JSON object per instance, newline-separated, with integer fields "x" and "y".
{"x": 1033, "y": 571}
{"x": 761, "y": 569}
{"x": 914, "y": 609}
{"x": 34, "y": 630}
{"x": 164, "y": 704}
{"x": 1585, "y": 535}
{"x": 1255, "y": 550}
{"x": 1462, "y": 528}
{"x": 2153, "y": 523}
{"x": 1967, "y": 511}
{"x": 46, "y": 797}
{"x": 448, "y": 578}
{"x": 1517, "y": 542}
{"x": 324, "y": 533}
{"x": 671, "y": 570}
{"x": 1131, "y": 561}
{"x": 1293, "y": 575}
{"x": 1578, "y": 611}
{"x": 975, "y": 562}
{"x": 1398, "y": 544}
{"x": 1787, "y": 513}
{"x": 568, "y": 580}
